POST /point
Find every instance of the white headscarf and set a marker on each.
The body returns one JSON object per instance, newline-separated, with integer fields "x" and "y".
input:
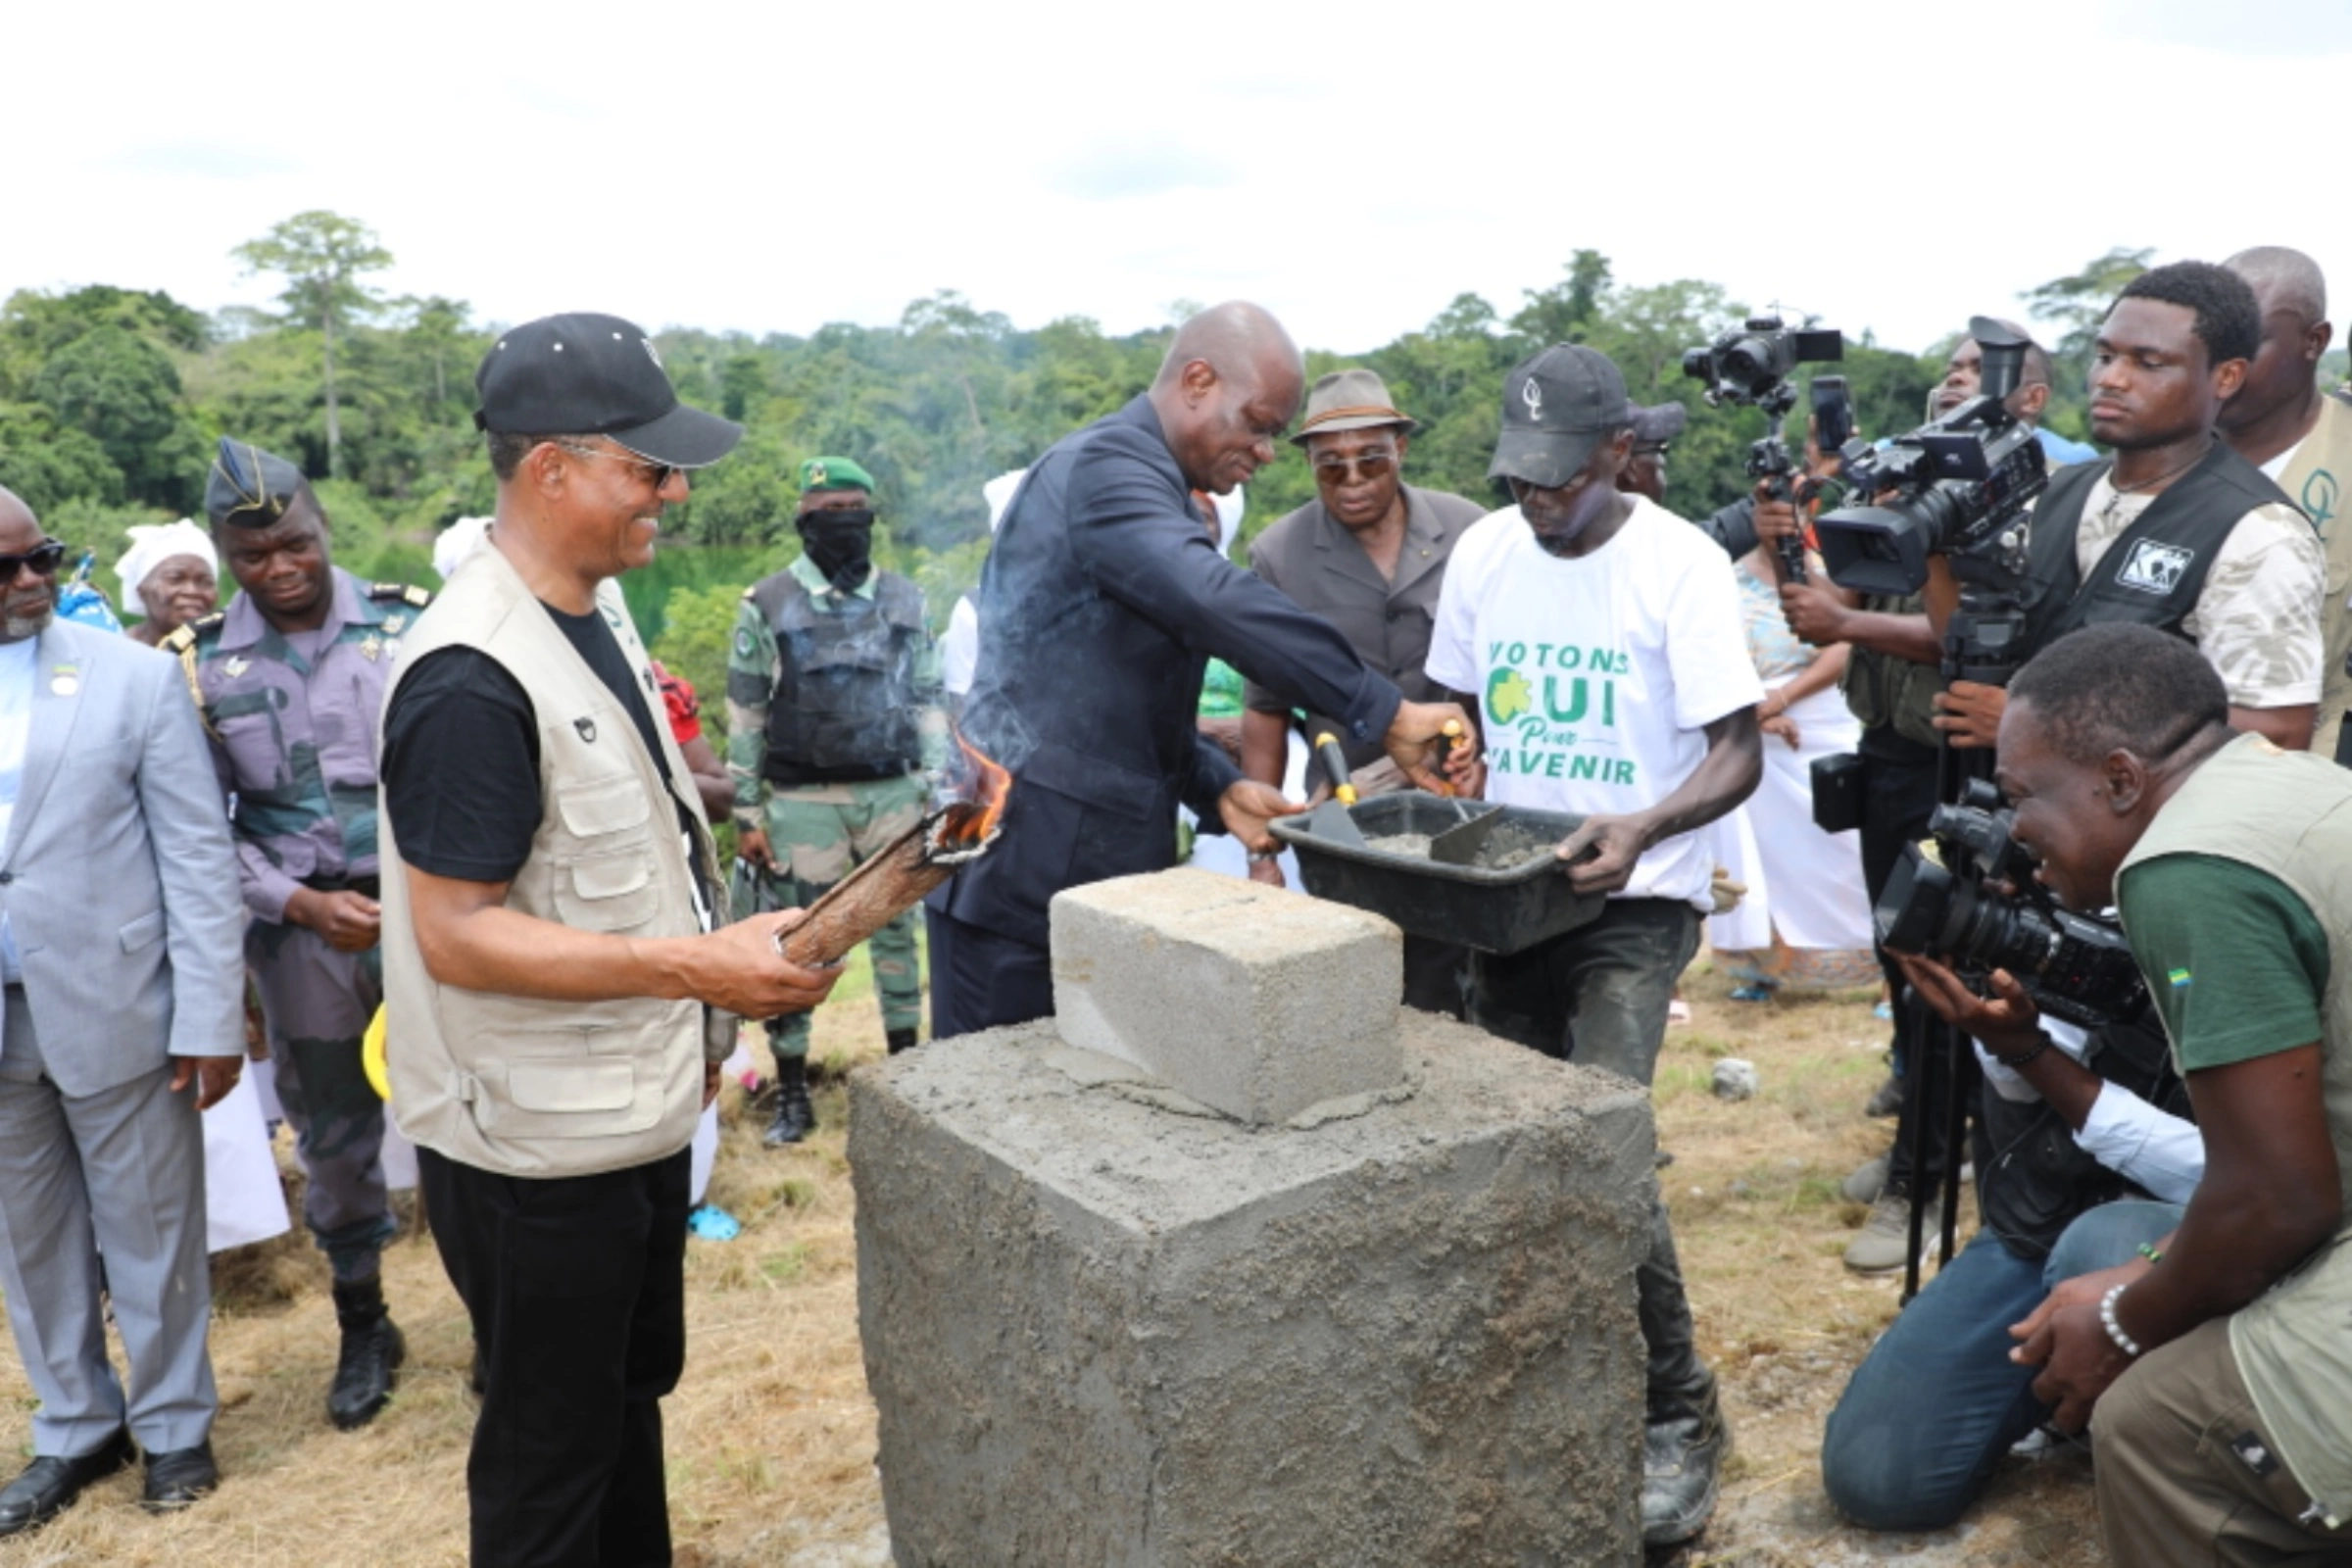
{"x": 154, "y": 543}
{"x": 458, "y": 541}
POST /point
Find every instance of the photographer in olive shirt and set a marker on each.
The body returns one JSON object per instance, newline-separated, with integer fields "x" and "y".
{"x": 2218, "y": 1364}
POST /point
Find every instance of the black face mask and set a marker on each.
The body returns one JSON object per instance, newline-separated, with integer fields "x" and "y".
{"x": 841, "y": 544}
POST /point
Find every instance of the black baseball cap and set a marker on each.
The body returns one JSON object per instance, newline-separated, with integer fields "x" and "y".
{"x": 588, "y": 374}
{"x": 1555, "y": 408}
{"x": 1657, "y": 426}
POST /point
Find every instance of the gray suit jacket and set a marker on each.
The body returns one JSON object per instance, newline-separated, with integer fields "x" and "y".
{"x": 118, "y": 878}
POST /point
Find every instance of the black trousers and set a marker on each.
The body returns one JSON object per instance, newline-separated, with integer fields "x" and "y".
{"x": 577, "y": 1290}
{"x": 1597, "y": 995}
{"x": 982, "y": 980}
{"x": 1899, "y": 796}
{"x": 1437, "y": 976}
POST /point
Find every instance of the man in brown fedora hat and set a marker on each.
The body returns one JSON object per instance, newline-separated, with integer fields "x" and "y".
{"x": 1368, "y": 554}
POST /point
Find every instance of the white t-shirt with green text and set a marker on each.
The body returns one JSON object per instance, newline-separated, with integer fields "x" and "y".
{"x": 1597, "y": 676}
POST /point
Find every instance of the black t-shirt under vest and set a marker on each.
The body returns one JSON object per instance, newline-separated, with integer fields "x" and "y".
{"x": 2155, "y": 569}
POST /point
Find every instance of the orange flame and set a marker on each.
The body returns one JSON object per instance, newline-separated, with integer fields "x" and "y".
{"x": 972, "y": 821}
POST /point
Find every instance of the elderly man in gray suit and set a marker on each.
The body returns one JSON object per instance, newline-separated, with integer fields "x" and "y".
{"x": 120, "y": 949}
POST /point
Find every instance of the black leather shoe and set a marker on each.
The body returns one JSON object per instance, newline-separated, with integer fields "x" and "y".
{"x": 48, "y": 1486}
{"x": 179, "y": 1477}
{"x": 1682, "y": 1471}
{"x": 794, "y": 1118}
{"x": 371, "y": 1353}
{"x": 900, "y": 1039}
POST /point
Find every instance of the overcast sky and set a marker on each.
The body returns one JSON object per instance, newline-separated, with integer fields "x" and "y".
{"x": 772, "y": 167}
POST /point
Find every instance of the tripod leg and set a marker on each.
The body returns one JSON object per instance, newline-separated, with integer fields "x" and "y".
{"x": 1927, "y": 1061}
{"x": 1959, "y": 1058}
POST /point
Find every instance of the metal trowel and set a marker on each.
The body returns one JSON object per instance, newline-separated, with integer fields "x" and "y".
{"x": 1460, "y": 844}
{"x": 1332, "y": 820}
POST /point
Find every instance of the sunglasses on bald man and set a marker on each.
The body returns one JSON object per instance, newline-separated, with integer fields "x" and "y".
{"x": 44, "y": 559}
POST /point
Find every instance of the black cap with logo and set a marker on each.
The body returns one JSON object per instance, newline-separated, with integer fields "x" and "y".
{"x": 588, "y": 374}
{"x": 1555, "y": 407}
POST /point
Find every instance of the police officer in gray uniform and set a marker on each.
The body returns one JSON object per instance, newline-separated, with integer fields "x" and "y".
{"x": 289, "y": 680}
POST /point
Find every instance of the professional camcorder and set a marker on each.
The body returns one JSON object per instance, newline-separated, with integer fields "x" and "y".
{"x": 1956, "y": 486}
{"x": 1749, "y": 366}
{"x": 2075, "y": 966}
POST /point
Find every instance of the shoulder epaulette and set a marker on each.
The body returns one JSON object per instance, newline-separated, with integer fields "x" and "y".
{"x": 399, "y": 593}
{"x": 181, "y": 643}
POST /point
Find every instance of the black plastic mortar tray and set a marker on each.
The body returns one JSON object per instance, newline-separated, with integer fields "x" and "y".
{"x": 1507, "y": 900}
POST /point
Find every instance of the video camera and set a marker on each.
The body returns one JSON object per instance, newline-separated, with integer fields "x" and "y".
{"x": 1955, "y": 486}
{"x": 2075, "y": 966}
{"x": 1749, "y": 366}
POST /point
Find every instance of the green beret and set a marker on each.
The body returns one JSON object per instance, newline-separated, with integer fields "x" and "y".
{"x": 835, "y": 474}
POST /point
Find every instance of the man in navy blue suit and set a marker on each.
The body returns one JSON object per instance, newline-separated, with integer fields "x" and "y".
{"x": 1100, "y": 605}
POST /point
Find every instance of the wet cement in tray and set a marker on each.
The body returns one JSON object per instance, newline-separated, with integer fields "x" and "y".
{"x": 1504, "y": 850}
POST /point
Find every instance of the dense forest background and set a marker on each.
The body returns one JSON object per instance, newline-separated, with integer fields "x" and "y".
{"x": 110, "y": 399}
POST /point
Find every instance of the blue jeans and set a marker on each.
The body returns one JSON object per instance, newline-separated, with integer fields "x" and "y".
{"x": 1937, "y": 1401}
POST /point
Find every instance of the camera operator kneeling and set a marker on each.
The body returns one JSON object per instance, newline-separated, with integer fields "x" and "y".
{"x": 2218, "y": 1365}
{"x": 2071, "y": 1128}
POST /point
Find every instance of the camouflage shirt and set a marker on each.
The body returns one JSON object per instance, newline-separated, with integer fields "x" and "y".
{"x": 755, "y": 666}
{"x": 293, "y": 735}
{"x": 2258, "y": 621}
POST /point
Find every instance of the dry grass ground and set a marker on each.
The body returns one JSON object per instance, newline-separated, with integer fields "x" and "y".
{"x": 771, "y": 1437}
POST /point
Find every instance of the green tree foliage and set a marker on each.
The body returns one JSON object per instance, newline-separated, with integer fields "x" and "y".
{"x": 693, "y": 645}
{"x": 109, "y": 400}
{"x": 124, "y": 393}
{"x": 2075, "y": 306}
{"x": 322, "y": 256}
{"x": 48, "y": 465}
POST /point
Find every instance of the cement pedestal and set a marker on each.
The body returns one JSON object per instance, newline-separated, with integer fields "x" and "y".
{"x": 1104, "y": 1325}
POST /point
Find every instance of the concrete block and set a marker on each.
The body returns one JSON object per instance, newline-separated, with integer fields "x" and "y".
{"x": 1253, "y": 1000}
{"x": 1102, "y": 1331}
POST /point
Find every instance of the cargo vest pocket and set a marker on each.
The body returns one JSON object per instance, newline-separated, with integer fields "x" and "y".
{"x": 611, "y": 804}
{"x": 608, "y": 893}
{"x": 574, "y": 1090}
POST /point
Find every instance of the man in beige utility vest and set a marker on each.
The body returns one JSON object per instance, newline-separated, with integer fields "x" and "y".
{"x": 2217, "y": 1362}
{"x": 2283, "y": 423}
{"x": 558, "y": 996}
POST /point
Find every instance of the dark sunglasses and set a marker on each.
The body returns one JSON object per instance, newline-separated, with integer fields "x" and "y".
{"x": 1371, "y": 465}
{"x": 44, "y": 559}
{"x": 658, "y": 472}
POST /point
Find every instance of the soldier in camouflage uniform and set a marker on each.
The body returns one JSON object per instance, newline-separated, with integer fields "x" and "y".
{"x": 833, "y": 710}
{"x": 290, "y": 680}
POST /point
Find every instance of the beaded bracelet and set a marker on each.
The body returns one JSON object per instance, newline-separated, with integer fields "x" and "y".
{"x": 2041, "y": 1044}
{"x": 2115, "y": 1331}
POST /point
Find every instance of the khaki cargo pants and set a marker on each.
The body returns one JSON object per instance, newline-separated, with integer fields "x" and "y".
{"x": 819, "y": 832}
{"x": 2186, "y": 1472}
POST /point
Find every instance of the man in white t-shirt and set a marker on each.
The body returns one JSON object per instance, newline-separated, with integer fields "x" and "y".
{"x": 1599, "y": 639}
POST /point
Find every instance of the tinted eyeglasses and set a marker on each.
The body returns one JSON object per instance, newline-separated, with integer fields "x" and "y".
{"x": 44, "y": 559}
{"x": 658, "y": 472}
{"x": 1368, "y": 467}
